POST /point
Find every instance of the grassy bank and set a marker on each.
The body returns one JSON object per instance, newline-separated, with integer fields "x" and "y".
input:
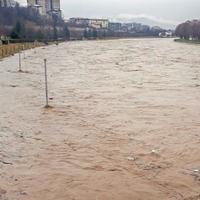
{"x": 11, "y": 49}
{"x": 188, "y": 41}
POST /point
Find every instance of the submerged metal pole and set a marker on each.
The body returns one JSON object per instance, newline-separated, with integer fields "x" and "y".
{"x": 24, "y": 52}
{"x": 46, "y": 83}
{"x": 20, "y": 62}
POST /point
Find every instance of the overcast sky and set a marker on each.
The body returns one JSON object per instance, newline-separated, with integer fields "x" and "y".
{"x": 169, "y": 11}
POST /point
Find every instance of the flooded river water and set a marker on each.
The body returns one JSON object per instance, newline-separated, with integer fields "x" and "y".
{"x": 124, "y": 122}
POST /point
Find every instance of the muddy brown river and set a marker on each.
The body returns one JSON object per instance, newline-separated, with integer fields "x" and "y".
{"x": 124, "y": 122}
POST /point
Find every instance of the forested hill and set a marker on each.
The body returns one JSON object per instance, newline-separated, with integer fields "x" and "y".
{"x": 27, "y": 23}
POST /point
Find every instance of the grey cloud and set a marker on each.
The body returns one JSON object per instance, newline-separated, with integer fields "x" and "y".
{"x": 162, "y": 10}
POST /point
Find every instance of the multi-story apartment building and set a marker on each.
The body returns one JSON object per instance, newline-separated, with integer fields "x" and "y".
{"x": 45, "y": 6}
{"x": 7, "y": 3}
{"x": 53, "y": 5}
{"x": 37, "y": 4}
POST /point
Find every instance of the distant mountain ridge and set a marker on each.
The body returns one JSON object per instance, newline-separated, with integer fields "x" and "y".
{"x": 150, "y": 22}
{"x": 147, "y": 20}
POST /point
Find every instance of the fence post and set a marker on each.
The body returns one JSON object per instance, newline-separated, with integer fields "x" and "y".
{"x": 24, "y": 51}
{"x": 1, "y": 51}
{"x": 20, "y": 62}
{"x": 46, "y": 84}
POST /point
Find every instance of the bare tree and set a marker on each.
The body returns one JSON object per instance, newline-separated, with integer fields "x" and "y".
{"x": 189, "y": 30}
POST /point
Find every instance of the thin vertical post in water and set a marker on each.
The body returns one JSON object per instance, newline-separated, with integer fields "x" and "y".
{"x": 20, "y": 62}
{"x": 24, "y": 52}
{"x": 46, "y": 83}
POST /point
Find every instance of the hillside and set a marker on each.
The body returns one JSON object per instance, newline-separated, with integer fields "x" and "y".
{"x": 26, "y": 23}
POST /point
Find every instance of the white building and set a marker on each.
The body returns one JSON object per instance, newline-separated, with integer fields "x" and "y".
{"x": 93, "y": 23}
{"x": 99, "y": 23}
{"x": 166, "y": 34}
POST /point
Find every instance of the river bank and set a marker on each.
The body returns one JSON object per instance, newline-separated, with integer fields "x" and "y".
{"x": 188, "y": 41}
{"x": 11, "y": 49}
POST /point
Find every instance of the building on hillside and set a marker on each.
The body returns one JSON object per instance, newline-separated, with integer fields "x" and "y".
{"x": 114, "y": 26}
{"x": 45, "y": 7}
{"x": 92, "y": 23}
{"x": 7, "y": 3}
{"x": 81, "y": 22}
{"x": 37, "y": 4}
{"x": 53, "y": 7}
{"x": 99, "y": 23}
